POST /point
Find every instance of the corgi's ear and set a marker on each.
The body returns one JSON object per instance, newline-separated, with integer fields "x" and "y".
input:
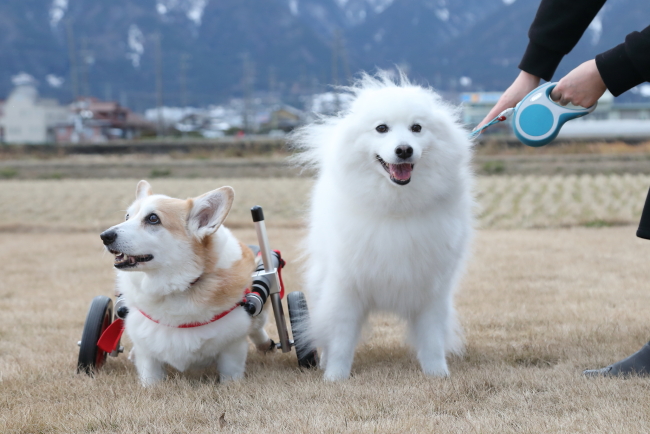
{"x": 142, "y": 190}
{"x": 209, "y": 211}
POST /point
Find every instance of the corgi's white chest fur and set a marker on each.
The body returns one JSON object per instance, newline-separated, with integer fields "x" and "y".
{"x": 164, "y": 299}
{"x": 184, "y": 348}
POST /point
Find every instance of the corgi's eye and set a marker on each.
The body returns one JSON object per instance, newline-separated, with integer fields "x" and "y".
{"x": 383, "y": 128}
{"x": 416, "y": 128}
{"x": 152, "y": 219}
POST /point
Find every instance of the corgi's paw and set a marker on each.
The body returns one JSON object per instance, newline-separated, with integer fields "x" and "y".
{"x": 267, "y": 347}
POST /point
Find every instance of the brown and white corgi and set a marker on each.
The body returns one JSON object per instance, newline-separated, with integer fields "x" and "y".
{"x": 183, "y": 276}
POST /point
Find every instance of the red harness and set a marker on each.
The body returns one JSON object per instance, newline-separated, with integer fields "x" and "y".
{"x": 111, "y": 337}
{"x": 199, "y": 324}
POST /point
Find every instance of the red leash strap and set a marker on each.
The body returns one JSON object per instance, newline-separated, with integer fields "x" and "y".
{"x": 282, "y": 264}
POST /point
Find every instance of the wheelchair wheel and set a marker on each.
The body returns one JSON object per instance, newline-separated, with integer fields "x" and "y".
{"x": 299, "y": 317}
{"x": 100, "y": 316}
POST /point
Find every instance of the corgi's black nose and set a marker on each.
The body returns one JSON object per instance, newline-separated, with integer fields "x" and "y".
{"x": 108, "y": 237}
{"x": 403, "y": 151}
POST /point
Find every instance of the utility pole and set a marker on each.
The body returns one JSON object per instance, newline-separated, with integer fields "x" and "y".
{"x": 159, "y": 84}
{"x": 344, "y": 57}
{"x": 338, "y": 53}
{"x": 124, "y": 99}
{"x": 108, "y": 92}
{"x": 272, "y": 84}
{"x": 183, "y": 83}
{"x": 183, "y": 78}
{"x": 86, "y": 60}
{"x": 335, "y": 73}
{"x": 247, "y": 84}
{"x": 73, "y": 60}
{"x": 335, "y": 58}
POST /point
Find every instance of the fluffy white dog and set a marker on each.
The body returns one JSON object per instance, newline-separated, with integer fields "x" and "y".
{"x": 390, "y": 220}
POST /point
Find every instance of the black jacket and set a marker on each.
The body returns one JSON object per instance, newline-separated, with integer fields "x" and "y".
{"x": 557, "y": 28}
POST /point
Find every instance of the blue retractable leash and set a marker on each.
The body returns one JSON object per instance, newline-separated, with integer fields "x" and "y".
{"x": 537, "y": 118}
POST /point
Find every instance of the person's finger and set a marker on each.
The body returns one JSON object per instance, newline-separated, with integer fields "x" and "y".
{"x": 556, "y": 94}
{"x": 522, "y": 85}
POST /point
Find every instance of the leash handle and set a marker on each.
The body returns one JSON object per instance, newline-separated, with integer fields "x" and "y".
{"x": 537, "y": 119}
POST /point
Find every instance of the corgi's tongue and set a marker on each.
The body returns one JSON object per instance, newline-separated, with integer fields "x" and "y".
{"x": 401, "y": 172}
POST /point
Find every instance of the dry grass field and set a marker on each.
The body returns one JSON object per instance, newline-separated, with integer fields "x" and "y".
{"x": 557, "y": 283}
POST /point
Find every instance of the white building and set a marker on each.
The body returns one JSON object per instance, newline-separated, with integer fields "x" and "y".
{"x": 29, "y": 119}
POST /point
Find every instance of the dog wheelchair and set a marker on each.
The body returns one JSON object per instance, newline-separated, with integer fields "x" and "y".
{"x": 104, "y": 324}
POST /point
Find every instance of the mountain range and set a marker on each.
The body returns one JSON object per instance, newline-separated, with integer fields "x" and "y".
{"x": 205, "y": 51}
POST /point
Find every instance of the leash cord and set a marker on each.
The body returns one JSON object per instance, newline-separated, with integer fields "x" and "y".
{"x": 500, "y": 118}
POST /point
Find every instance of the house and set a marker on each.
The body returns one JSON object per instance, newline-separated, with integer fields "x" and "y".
{"x": 95, "y": 121}
{"x": 285, "y": 118}
{"x": 29, "y": 119}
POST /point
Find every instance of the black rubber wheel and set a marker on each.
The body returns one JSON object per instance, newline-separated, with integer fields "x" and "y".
{"x": 100, "y": 316}
{"x": 299, "y": 317}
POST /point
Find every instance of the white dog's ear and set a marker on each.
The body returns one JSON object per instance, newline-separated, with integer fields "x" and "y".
{"x": 142, "y": 190}
{"x": 209, "y": 211}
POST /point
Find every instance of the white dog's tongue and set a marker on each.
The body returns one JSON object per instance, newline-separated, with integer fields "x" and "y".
{"x": 401, "y": 172}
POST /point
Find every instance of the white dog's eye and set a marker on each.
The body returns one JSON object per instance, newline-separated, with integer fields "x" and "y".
{"x": 152, "y": 219}
{"x": 383, "y": 128}
{"x": 416, "y": 128}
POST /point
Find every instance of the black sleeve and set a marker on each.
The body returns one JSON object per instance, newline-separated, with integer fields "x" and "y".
{"x": 627, "y": 64}
{"x": 556, "y": 29}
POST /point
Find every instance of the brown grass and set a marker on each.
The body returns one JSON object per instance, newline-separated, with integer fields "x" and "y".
{"x": 538, "y": 306}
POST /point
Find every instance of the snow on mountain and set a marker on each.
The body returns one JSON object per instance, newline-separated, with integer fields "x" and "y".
{"x": 192, "y": 9}
{"x": 136, "y": 41}
{"x": 57, "y": 11}
{"x": 215, "y": 49}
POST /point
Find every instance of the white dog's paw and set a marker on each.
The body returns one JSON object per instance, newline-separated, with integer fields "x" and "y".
{"x": 150, "y": 381}
{"x": 322, "y": 360}
{"x": 334, "y": 374}
{"x": 132, "y": 356}
{"x": 435, "y": 368}
{"x": 228, "y": 377}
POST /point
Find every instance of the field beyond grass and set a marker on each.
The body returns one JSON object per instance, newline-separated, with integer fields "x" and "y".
{"x": 547, "y": 294}
{"x": 503, "y": 202}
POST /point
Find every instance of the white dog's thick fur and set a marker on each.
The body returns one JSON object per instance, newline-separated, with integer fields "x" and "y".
{"x": 390, "y": 220}
{"x": 177, "y": 265}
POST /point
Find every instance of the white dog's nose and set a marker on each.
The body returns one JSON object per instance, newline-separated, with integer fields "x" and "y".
{"x": 404, "y": 151}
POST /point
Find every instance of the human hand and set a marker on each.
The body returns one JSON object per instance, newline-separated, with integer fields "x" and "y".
{"x": 519, "y": 88}
{"x": 582, "y": 86}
